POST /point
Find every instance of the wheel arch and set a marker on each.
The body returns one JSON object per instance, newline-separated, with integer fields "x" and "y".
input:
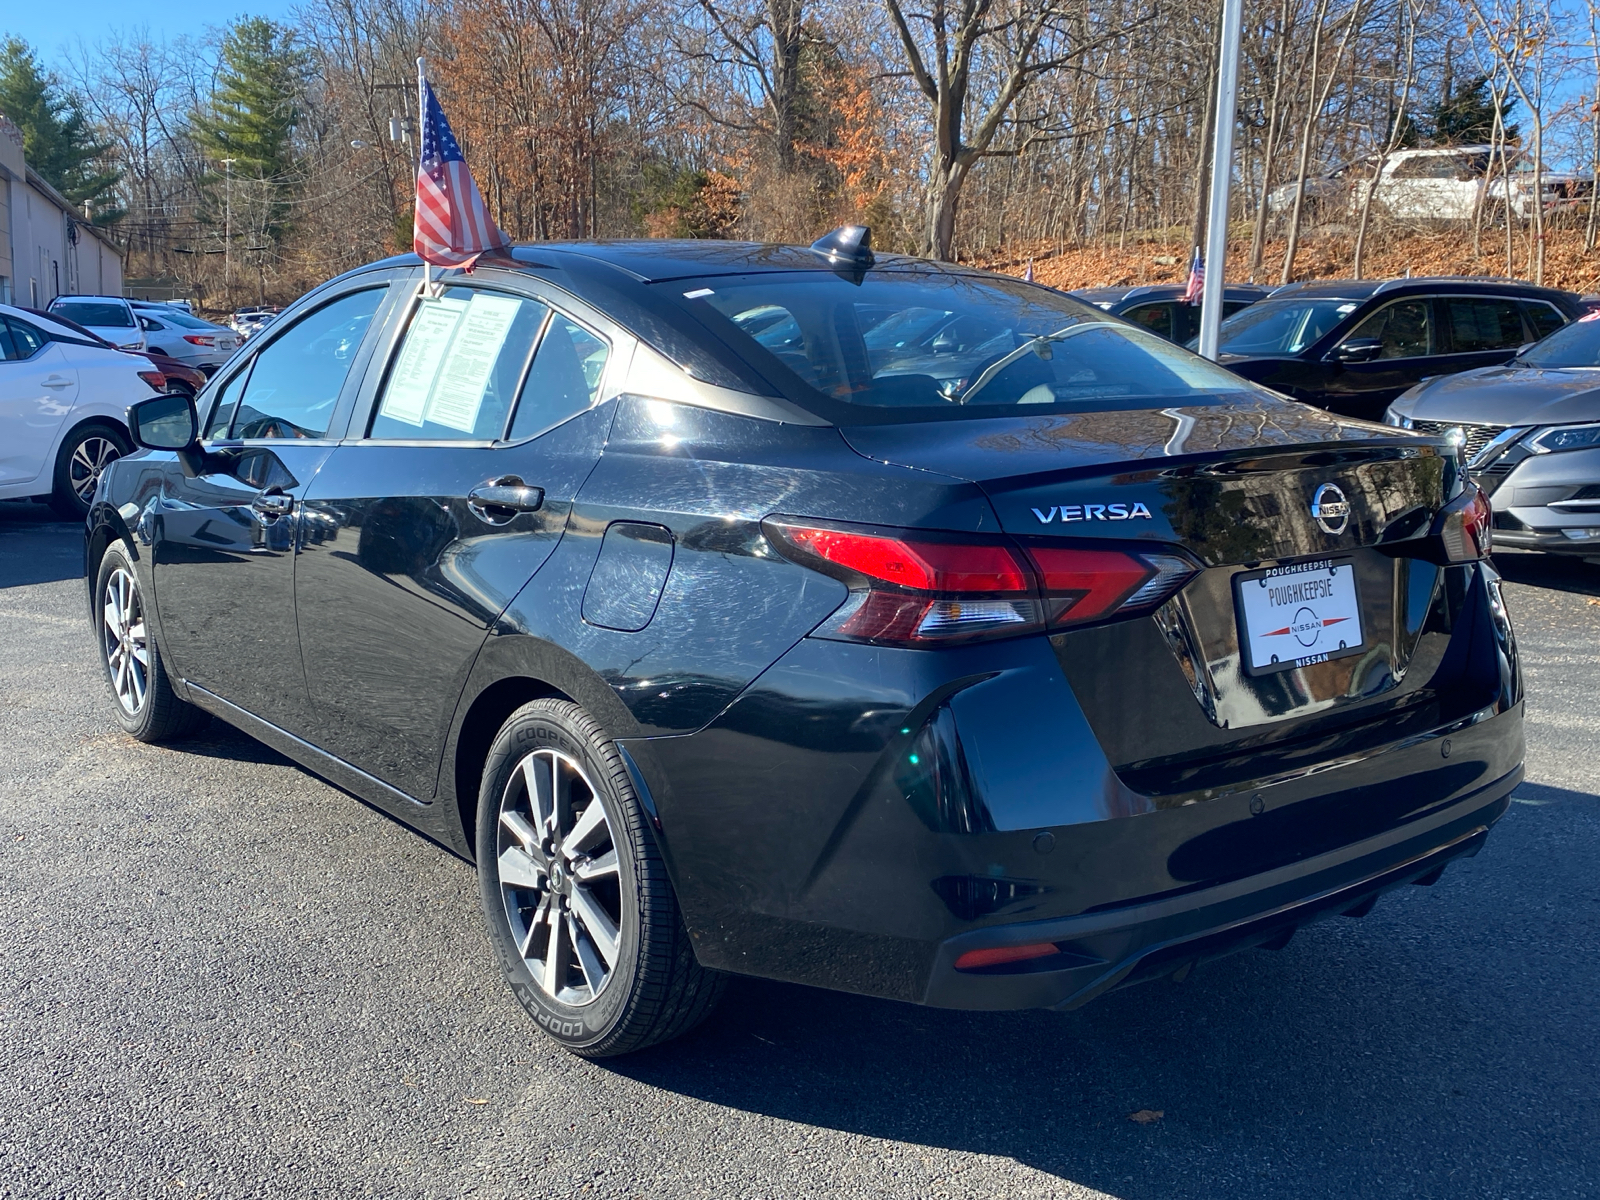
{"x": 511, "y": 670}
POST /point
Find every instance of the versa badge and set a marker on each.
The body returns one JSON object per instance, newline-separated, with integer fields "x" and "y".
{"x": 1093, "y": 512}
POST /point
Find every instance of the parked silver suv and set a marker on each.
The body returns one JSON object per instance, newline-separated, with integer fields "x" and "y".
{"x": 1530, "y": 431}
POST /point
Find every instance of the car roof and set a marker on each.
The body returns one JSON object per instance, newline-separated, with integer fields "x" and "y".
{"x": 1161, "y": 291}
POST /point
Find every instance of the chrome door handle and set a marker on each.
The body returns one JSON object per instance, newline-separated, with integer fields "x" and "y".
{"x": 273, "y": 504}
{"x": 57, "y": 381}
{"x": 500, "y": 500}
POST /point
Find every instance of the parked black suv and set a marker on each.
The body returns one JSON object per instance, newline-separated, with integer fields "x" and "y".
{"x": 1352, "y": 346}
{"x": 1161, "y": 308}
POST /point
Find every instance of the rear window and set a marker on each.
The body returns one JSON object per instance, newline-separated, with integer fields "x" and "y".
{"x": 181, "y": 319}
{"x": 905, "y": 345}
{"x": 95, "y": 313}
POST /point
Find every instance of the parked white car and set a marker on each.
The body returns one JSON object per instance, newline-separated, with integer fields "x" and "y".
{"x": 110, "y": 317}
{"x": 190, "y": 340}
{"x": 63, "y": 408}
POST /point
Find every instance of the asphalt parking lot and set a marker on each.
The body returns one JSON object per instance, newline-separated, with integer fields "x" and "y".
{"x": 220, "y": 976}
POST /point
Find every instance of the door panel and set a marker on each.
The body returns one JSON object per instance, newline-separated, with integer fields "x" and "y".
{"x": 407, "y": 561}
{"x": 399, "y": 581}
{"x": 38, "y": 388}
{"x": 224, "y": 570}
{"x": 224, "y": 546}
{"x": 1409, "y": 348}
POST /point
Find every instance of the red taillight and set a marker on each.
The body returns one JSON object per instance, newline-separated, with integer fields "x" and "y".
{"x": 1465, "y": 526}
{"x": 199, "y": 339}
{"x": 926, "y": 566}
{"x": 1082, "y": 585}
{"x": 155, "y": 379}
{"x": 995, "y": 956}
{"x": 912, "y": 588}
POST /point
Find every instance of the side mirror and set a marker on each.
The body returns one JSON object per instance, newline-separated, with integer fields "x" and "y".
{"x": 1358, "y": 350}
{"x": 164, "y": 423}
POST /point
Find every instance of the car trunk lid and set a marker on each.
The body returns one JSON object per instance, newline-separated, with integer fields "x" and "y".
{"x": 1242, "y": 488}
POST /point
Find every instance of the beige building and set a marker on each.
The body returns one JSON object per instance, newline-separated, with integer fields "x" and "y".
{"x": 47, "y": 249}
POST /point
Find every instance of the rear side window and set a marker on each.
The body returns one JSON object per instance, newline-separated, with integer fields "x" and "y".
{"x": 1403, "y": 329}
{"x": 565, "y": 378}
{"x": 1483, "y": 324}
{"x": 102, "y": 313}
{"x": 19, "y": 340}
{"x": 459, "y": 367}
{"x": 295, "y": 382}
{"x": 1545, "y": 318}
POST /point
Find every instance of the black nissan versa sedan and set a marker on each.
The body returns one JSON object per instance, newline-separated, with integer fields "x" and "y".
{"x": 733, "y": 623}
{"x": 1351, "y": 346}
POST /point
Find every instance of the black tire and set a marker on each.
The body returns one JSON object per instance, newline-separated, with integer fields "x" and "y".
{"x": 653, "y": 989}
{"x": 85, "y": 452}
{"x": 142, "y": 698}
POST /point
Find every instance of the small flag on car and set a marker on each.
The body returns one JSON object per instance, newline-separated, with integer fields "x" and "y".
{"x": 1195, "y": 289}
{"x": 1029, "y": 275}
{"x": 452, "y": 226}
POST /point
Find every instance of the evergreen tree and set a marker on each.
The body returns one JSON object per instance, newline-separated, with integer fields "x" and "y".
{"x": 254, "y": 111}
{"x": 57, "y": 140}
{"x": 1466, "y": 114}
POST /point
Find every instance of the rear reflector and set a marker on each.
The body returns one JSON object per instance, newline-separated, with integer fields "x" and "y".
{"x": 974, "y": 959}
{"x": 914, "y": 588}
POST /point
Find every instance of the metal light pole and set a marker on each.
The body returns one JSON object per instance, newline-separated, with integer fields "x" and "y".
{"x": 227, "y": 227}
{"x": 1216, "y": 260}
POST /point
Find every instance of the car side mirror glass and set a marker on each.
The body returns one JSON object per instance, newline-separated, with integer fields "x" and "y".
{"x": 164, "y": 423}
{"x": 1358, "y": 350}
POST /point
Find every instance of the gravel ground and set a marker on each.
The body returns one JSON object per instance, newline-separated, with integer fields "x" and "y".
{"x": 220, "y": 976}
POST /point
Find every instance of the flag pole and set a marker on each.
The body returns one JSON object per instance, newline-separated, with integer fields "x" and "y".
{"x": 1216, "y": 259}
{"x": 422, "y": 116}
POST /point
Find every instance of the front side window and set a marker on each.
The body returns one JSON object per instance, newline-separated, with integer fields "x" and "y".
{"x": 1483, "y": 324}
{"x": 1282, "y": 326}
{"x": 223, "y": 403}
{"x": 1402, "y": 329}
{"x": 294, "y": 384}
{"x": 909, "y": 343}
{"x": 457, "y": 372}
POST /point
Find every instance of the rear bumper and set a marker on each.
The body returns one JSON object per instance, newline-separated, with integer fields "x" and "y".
{"x": 1100, "y": 951}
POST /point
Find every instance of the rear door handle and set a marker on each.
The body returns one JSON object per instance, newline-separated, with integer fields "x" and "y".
{"x": 500, "y": 500}
{"x": 57, "y": 381}
{"x": 273, "y": 504}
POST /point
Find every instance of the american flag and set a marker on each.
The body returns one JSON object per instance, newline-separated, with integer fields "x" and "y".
{"x": 452, "y": 227}
{"x": 1195, "y": 289}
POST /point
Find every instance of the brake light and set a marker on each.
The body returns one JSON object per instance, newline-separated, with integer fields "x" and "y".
{"x": 155, "y": 379}
{"x": 917, "y": 589}
{"x": 1465, "y": 526}
{"x": 199, "y": 339}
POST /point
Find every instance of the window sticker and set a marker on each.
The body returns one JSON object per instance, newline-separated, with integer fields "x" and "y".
{"x": 474, "y": 350}
{"x": 406, "y": 398}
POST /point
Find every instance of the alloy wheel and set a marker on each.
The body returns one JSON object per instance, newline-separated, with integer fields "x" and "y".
{"x": 125, "y": 640}
{"x": 92, "y": 456}
{"x": 559, "y": 877}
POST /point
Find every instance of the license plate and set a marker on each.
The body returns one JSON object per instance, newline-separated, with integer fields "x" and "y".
{"x": 1294, "y": 616}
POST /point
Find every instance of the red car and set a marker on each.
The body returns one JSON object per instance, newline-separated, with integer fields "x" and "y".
{"x": 176, "y": 377}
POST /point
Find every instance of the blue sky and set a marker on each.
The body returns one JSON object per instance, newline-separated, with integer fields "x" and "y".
{"x": 52, "y": 28}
